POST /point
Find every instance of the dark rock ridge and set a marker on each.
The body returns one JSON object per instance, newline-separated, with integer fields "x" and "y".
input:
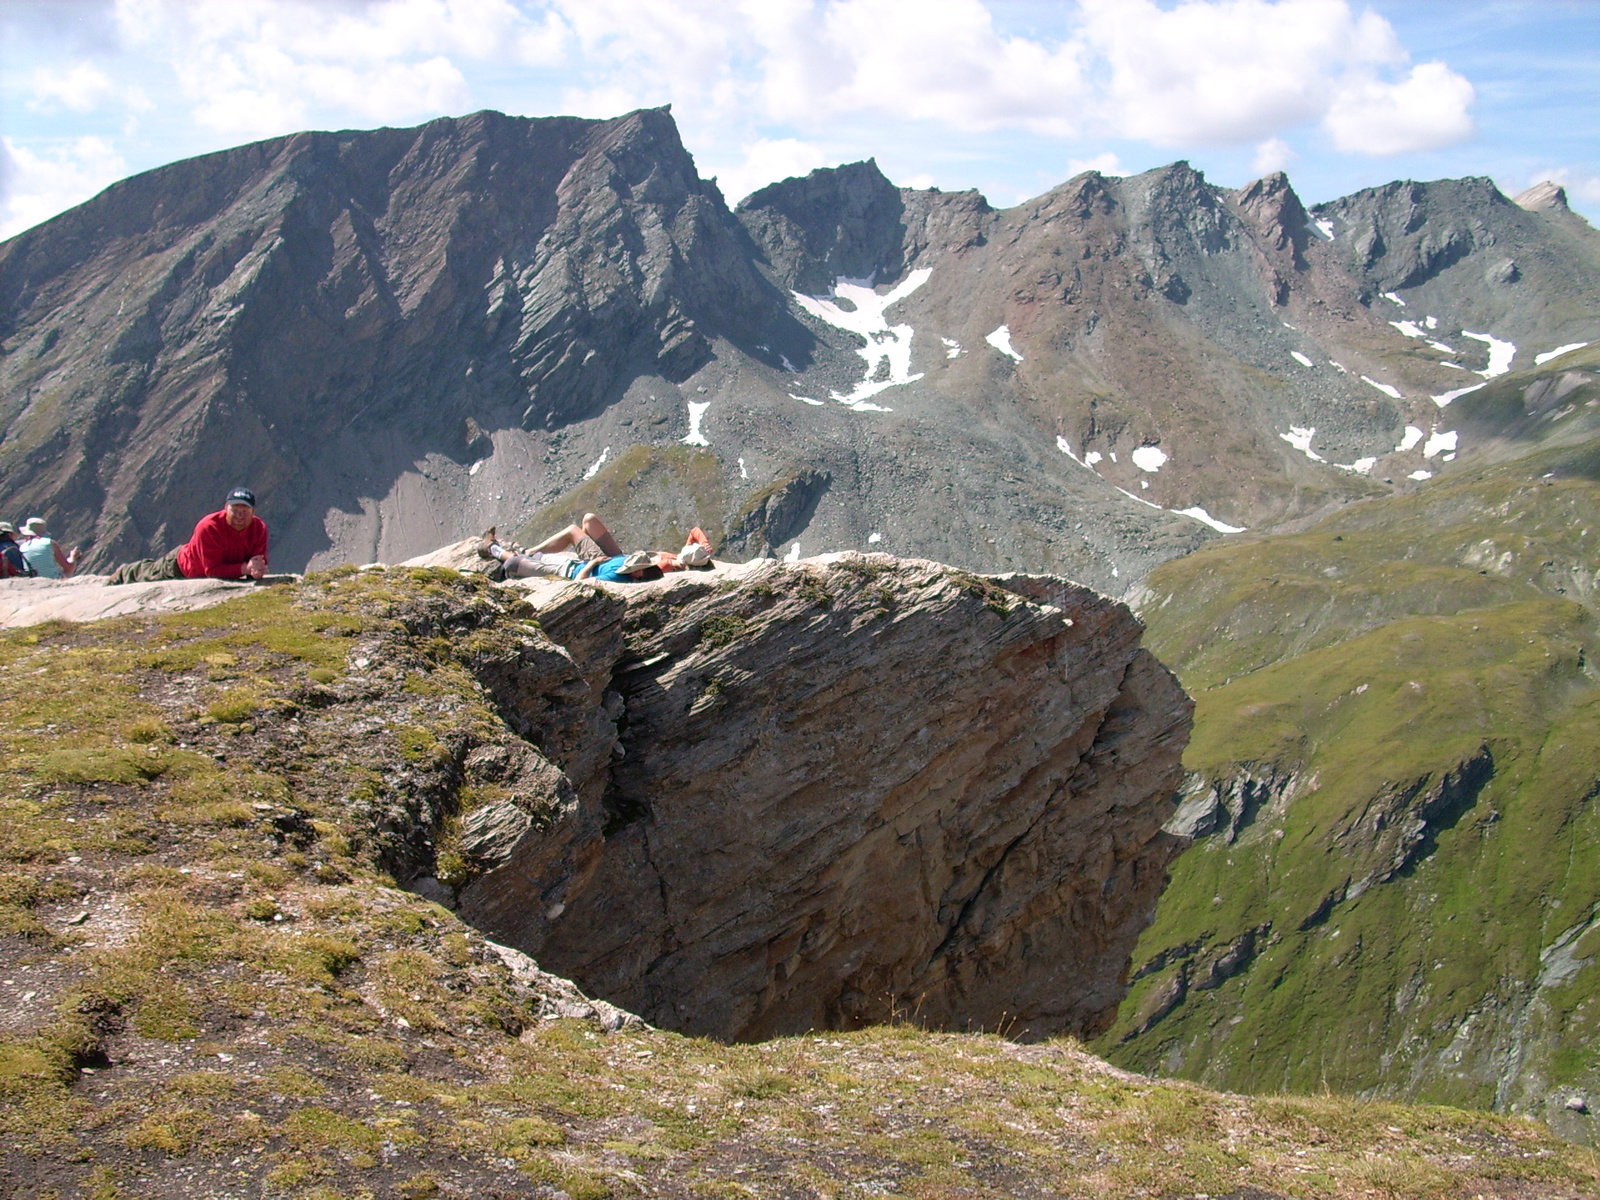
{"x": 826, "y": 795}
{"x": 403, "y": 335}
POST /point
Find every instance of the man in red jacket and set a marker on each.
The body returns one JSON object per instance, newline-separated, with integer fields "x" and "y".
{"x": 230, "y": 544}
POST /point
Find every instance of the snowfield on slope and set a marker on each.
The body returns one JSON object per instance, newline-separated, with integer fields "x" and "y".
{"x": 888, "y": 347}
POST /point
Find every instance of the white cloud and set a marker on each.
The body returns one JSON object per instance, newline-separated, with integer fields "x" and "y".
{"x": 1431, "y": 107}
{"x": 35, "y": 186}
{"x": 1227, "y": 71}
{"x": 943, "y": 60}
{"x": 1214, "y": 72}
{"x": 1107, "y": 164}
{"x": 768, "y": 161}
{"x": 79, "y": 88}
{"x": 1274, "y": 154}
{"x": 256, "y": 67}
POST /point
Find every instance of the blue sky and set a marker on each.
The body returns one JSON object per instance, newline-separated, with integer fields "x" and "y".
{"x": 1009, "y": 96}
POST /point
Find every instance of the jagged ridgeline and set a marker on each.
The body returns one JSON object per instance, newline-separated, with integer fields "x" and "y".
{"x": 403, "y": 335}
{"x": 1395, "y": 887}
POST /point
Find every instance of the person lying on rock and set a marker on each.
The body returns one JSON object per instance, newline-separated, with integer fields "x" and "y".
{"x": 230, "y": 543}
{"x": 589, "y": 551}
{"x": 583, "y": 551}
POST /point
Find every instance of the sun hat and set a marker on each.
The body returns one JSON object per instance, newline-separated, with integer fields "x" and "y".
{"x": 695, "y": 554}
{"x": 637, "y": 561}
{"x": 241, "y": 496}
{"x": 33, "y": 527}
{"x": 7, "y": 527}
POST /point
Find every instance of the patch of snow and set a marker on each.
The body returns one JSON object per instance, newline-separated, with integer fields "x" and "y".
{"x": 1066, "y": 448}
{"x": 1286, "y": 325}
{"x": 1000, "y": 339}
{"x": 1301, "y": 359}
{"x": 1449, "y": 458}
{"x": 1455, "y": 366}
{"x": 1432, "y": 322}
{"x": 1439, "y": 441}
{"x": 1144, "y": 485}
{"x": 1113, "y": 456}
{"x": 595, "y": 466}
{"x": 794, "y": 553}
{"x": 1300, "y": 439}
{"x": 874, "y": 538}
{"x": 807, "y": 399}
{"x": 697, "y": 410}
{"x": 1420, "y": 475}
{"x": 885, "y": 343}
{"x": 1361, "y": 465}
{"x": 1325, "y": 228}
{"x": 1539, "y": 360}
{"x": 1091, "y": 458}
{"x": 1409, "y": 328}
{"x": 1149, "y": 458}
{"x": 1500, "y": 353}
{"x": 1205, "y": 518}
{"x": 473, "y": 469}
{"x": 1339, "y": 367}
{"x": 787, "y": 365}
{"x": 952, "y": 348}
{"x": 1413, "y": 435}
{"x": 1445, "y": 399}
{"x": 743, "y": 474}
{"x": 1386, "y": 389}
{"x": 1443, "y": 349}
{"x": 1395, "y": 298}
{"x": 1115, "y": 574}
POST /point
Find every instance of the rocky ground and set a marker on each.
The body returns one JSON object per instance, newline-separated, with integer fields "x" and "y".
{"x": 213, "y": 985}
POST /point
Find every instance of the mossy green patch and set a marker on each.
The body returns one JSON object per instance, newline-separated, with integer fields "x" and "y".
{"x": 1400, "y": 713}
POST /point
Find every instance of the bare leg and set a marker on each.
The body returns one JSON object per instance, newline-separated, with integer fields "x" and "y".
{"x": 560, "y": 541}
{"x": 596, "y": 528}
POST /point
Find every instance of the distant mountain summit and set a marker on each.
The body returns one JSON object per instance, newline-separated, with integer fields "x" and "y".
{"x": 398, "y": 336}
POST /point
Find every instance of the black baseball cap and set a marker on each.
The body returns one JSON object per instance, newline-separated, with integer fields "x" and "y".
{"x": 241, "y": 496}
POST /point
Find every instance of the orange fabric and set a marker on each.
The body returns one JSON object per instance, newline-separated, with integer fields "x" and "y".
{"x": 668, "y": 561}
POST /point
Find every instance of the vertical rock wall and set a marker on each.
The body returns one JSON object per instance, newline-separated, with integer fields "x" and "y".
{"x": 839, "y": 792}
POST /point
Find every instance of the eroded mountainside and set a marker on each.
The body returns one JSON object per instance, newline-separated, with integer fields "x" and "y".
{"x": 213, "y": 987}
{"x": 402, "y": 336}
{"x": 1393, "y": 783}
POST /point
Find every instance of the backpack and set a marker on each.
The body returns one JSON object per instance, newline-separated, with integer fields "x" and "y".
{"x": 15, "y": 565}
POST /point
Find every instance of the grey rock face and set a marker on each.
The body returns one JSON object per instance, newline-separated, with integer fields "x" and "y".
{"x": 850, "y": 790}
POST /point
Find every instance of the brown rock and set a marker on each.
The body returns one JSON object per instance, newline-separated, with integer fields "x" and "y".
{"x": 848, "y": 789}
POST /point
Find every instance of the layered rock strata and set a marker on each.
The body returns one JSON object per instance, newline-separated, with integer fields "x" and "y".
{"x": 831, "y": 793}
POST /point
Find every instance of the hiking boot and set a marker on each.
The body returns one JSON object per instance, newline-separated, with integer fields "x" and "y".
{"x": 486, "y": 541}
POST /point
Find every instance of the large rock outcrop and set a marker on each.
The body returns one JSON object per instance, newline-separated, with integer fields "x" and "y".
{"x": 821, "y": 795}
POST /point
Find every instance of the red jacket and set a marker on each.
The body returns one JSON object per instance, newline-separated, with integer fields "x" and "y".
{"x": 218, "y": 551}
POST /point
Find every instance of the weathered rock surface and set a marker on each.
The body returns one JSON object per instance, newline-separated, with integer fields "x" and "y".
{"x": 823, "y": 794}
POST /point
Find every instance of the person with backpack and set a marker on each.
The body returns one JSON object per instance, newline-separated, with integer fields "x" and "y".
{"x": 42, "y": 553}
{"x": 15, "y": 565}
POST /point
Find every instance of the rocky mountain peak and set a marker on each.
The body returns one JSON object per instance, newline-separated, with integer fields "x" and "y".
{"x": 1543, "y": 196}
{"x": 835, "y": 222}
{"x": 1271, "y": 208}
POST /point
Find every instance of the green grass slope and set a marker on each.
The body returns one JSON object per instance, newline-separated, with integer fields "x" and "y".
{"x": 212, "y": 987}
{"x": 1396, "y": 764}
